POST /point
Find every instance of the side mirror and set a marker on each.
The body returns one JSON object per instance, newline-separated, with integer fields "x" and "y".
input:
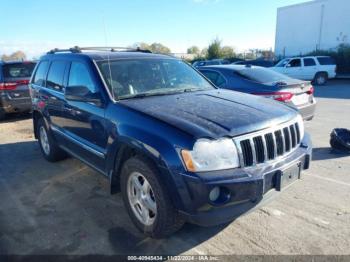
{"x": 82, "y": 94}
{"x": 288, "y": 65}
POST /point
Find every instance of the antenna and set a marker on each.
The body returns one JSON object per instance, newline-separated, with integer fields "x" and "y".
{"x": 108, "y": 58}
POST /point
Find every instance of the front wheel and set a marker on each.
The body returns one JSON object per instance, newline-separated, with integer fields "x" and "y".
{"x": 146, "y": 200}
{"x": 320, "y": 79}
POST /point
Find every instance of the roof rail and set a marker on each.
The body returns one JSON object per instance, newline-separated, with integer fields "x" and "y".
{"x": 77, "y": 49}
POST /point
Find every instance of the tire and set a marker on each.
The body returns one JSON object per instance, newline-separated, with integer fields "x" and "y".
{"x": 48, "y": 146}
{"x": 320, "y": 79}
{"x": 166, "y": 219}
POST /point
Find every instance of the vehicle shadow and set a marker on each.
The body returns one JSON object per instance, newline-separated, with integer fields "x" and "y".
{"x": 70, "y": 207}
{"x": 324, "y": 153}
{"x": 15, "y": 117}
{"x": 125, "y": 241}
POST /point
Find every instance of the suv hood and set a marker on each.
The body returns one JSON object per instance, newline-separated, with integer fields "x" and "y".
{"x": 215, "y": 113}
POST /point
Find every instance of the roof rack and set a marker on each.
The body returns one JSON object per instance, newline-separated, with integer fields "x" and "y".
{"x": 77, "y": 49}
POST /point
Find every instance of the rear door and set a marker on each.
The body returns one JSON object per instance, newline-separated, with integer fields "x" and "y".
{"x": 309, "y": 69}
{"x": 53, "y": 92}
{"x": 84, "y": 122}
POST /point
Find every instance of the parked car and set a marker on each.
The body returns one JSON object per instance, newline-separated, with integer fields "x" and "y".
{"x": 313, "y": 68}
{"x": 210, "y": 62}
{"x": 264, "y": 82}
{"x": 255, "y": 62}
{"x": 14, "y": 91}
{"x": 178, "y": 148}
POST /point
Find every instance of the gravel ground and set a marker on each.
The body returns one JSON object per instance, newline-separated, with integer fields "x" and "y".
{"x": 65, "y": 207}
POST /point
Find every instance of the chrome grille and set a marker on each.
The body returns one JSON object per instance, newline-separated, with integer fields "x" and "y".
{"x": 267, "y": 145}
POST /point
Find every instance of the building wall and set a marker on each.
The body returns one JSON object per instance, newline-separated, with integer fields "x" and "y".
{"x": 319, "y": 24}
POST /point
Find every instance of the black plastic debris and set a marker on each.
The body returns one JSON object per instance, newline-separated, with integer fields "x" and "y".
{"x": 340, "y": 139}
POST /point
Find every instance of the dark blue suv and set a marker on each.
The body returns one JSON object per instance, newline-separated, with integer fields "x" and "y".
{"x": 177, "y": 148}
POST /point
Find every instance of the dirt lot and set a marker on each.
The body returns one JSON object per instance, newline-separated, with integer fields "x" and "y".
{"x": 65, "y": 208}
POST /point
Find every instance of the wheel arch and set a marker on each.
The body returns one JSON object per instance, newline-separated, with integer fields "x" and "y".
{"x": 125, "y": 149}
{"x": 321, "y": 72}
{"x": 36, "y": 116}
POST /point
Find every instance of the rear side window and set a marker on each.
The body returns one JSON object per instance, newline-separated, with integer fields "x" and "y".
{"x": 79, "y": 76}
{"x": 55, "y": 75}
{"x": 40, "y": 74}
{"x": 309, "y": 62}
{"x": 261, "y": 75}
{"x": 214, "y": 77}
{"x": 18, "y": 70}
{"x": 326, "y": 60}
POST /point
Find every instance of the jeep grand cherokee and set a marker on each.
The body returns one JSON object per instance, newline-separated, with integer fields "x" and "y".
{"x": 178, "y": 148}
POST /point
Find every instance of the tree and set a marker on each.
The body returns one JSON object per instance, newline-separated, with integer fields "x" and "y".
{"x": 142, "y": 45}
{"x": 227, "y": 52}
{"x": 214, "y": 49}
{"x": 154, "y": 48}
{"x": 18, "y": 55}
{"x": 159, "y": 48}
{"x": 193, "y": 50}
{"x": 204, "y": 52}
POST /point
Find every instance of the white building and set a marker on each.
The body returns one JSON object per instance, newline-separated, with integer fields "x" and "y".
{"x": 319, "y": 24}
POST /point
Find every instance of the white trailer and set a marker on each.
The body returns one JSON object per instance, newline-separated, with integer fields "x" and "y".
{"x": 315, "y": 25}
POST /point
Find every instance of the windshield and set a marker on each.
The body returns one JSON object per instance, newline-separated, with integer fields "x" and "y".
{"x": 136, "y": 77}
{"x": 282, "y": 63}
{"x": 261, "y": 75}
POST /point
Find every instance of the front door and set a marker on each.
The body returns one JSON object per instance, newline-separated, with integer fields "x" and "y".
{"x": 84, "y": 121}
{"x": 294, "y": 69}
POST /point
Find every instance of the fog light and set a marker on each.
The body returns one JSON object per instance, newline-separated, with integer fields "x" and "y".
{"x": 214, "y": 194}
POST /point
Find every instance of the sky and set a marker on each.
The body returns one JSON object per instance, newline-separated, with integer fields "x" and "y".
{"x": 35, "y": 26}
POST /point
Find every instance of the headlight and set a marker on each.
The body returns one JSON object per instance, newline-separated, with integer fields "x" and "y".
{"x": 300, "y": 122}
{"x": 210, "y": 155}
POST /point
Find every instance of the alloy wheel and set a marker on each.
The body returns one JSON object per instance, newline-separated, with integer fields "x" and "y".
{"x": 141, "y": 198}
{"x": 44, "y": 141}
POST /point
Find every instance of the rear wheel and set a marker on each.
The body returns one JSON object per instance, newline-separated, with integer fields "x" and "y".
{"x": 320, "y": 78}
{"x": 146, "y": 200}
{"x": 51, "y": 151}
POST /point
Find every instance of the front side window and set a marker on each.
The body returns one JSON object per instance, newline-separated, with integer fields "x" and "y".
{"x": 55, "y": 75}
{"x": 309, "y": 62}
{"x": 40, "y": 74}
{"x": 295, "y": 63}
{"x": 140, "y": 77}
{"x": 214, "y": 77}
{"x": 282, "y": 63}
{"x": 79, "y": 75}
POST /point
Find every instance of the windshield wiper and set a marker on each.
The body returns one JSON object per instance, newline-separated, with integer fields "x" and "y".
{"x": 172, "y": 92}
{"x": 141, "y": 95}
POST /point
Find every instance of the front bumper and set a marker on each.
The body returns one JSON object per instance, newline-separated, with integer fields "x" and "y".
{"x": 248, "y": 190}
{"x": 11, "y": 105}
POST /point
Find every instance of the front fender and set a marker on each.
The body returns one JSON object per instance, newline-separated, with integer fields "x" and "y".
{"x": 154, "y": 147}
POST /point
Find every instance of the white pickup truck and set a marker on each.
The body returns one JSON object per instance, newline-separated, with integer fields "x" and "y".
{"x": 314, "y": 68}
